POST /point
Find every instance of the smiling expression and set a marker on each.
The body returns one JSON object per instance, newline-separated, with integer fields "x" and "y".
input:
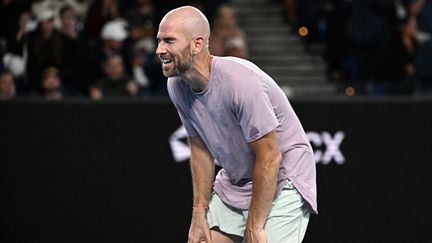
{"x": 174, "y": 49}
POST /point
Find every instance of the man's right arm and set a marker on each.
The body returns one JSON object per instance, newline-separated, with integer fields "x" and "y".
{"x": 202, "y": 170}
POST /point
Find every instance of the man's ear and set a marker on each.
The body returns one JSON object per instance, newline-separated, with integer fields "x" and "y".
{"x": 197, "y": 45}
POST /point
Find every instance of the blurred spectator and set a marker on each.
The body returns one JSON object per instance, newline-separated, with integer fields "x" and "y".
{"x": 399, "y": 66}
{"x": 69, "y": 22}
{"x": 409, "y": 28}
{"x": 99, "y": 13}
{"x": 51, "y": 84}
{"x": 422, "y": 9}
{"x": 338, "y": 50}
{"x": 143, "y": 51}
{"x": 235, "y": 47}
{"x": 374, "y": 35}
{"x": 44, "y": 49}
{"x": 225, "y": 27}
{"x": 408, "y": 31}
{"x": 140, "y": 45}
{"x": 147, "y": 66}
{"x": 113, "y": 36}
{"x": 210, "y": 8}
{"x": 290, "y": 13}
{"x": 115, "y": 82}
{"x": 73, "y": 51}
{"x": 415, "y": 6}
{"x": 40, "y": 6}
{"x": 141, "y": 20}
{"x": 15, "y": 64}
{"x": 81, "y": 8}
{"x": 13, "y": 59}
{"x": 24, "y": 24}
{"x": 7, "y": 86}
{"x": 423, "y": 60}
{"x": 10, "y": 12}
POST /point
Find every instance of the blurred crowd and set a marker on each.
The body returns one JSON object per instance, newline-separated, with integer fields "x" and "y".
{"x": 105, "y": 48}
{"x": 53, "y": 49}
{"x": 375, "y": 47}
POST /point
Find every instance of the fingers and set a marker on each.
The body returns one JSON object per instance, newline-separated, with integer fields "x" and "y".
{"x": 205, "y": 238}
{"x": 208, "y": 236}
{"x": 200, "y": 241}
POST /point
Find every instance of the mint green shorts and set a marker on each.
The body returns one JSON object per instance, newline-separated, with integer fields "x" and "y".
{"x": 286, "y": 223}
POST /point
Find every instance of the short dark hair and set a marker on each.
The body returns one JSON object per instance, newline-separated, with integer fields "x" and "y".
{"x": 66, "y": 8}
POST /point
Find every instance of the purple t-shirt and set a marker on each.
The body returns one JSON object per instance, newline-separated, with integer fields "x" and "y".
{"x": 239, "y": 105}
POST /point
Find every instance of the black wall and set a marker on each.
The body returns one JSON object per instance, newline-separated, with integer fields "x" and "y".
{"x": 80, "y": 171}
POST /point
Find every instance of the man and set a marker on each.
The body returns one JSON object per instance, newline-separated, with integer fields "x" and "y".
{"x": 236, "y": 116}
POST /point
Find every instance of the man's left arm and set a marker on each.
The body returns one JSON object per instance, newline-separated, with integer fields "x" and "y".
{"x": 268, "y": 158}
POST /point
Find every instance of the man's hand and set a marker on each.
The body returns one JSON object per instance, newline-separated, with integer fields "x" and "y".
{"x": 132, "y": 88}
{"x": 256, "y": 236}
{"x": 199, "y": 229}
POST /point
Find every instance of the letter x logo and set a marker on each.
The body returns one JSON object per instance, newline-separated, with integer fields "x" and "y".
{"x": 332, "y": 145}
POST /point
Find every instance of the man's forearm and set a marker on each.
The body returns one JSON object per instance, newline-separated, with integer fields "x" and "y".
{"x": 202, "y": 180}
{"x": 263, "y": 191}
{"x": 264, "y": 179}
{"x": 202, "y": 170}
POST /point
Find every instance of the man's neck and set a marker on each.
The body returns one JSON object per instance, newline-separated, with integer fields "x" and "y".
{"x": 199, "y": 74}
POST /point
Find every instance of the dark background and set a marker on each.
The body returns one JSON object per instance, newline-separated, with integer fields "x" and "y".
{"x": 80, "y": 171}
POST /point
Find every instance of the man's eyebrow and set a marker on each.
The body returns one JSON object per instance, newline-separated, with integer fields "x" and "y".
{"x": 166, "y": 39}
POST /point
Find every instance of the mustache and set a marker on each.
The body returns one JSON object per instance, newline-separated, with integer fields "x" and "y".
{"x": 164, "y": 56}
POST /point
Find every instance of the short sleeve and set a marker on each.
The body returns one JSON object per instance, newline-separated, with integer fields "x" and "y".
{"x": 173, "y": 90}
{"x": 253, "y": 109}
{"x": 188, "y": 126}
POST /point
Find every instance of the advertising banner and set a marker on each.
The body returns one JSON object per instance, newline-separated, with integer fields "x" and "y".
{"x": 118, "y": 171}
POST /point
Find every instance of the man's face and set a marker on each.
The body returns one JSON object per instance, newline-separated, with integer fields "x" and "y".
{"x": 68, "y": 19}
{"x": 174, "y": 49}
{"x": 51, "y": 83}
{"x": 48, "y": 26}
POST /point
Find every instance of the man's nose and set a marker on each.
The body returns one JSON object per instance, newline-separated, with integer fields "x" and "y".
{"x": 160, "y": 49}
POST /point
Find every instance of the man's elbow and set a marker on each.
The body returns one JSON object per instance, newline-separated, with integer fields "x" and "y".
{"x": 273, "y": 161}
{"x": 277, "y": 158}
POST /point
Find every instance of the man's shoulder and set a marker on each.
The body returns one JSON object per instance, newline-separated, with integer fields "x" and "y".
{"x": 174, "y": 86}
{"x": 175, "y": 83}
{"x": 239, "y": 72}
{"x": 235, "y": 62}
{"x": 237, "y": 67}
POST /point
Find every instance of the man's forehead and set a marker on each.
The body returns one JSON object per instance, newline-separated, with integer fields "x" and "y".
{"x": 166, "y": 31}
{"x": 170, "y": 27}
{"x": 173, "y": 21}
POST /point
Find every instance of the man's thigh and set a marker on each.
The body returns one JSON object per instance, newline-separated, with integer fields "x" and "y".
{"x": 221, "y": 237}
{"x": 288, "y": 219}
{"x": 286, "y": 223}
{"x": 224, "y": 218}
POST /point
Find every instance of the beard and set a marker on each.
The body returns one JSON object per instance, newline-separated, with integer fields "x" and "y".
{"x": 181, "y": 65}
